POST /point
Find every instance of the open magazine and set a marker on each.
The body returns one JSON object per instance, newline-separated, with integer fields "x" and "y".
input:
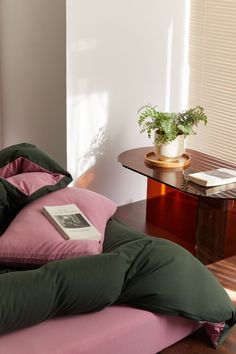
{"x": 71, "y": 222}
{"x": 216, "y": 177}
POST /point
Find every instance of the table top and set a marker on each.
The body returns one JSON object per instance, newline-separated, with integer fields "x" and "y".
{"x": 176, "y": 177}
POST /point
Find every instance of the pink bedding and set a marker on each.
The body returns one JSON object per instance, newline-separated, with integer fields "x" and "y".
{"x": 114, "y": 330}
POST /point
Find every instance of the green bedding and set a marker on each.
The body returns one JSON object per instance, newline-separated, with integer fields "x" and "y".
{"x": 144, "y": 272}
{"x": 21, "y": 160}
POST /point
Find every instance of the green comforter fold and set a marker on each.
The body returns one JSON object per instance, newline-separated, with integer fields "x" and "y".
{"x": 144, "y": 272}
{"x": 19, "y": 160}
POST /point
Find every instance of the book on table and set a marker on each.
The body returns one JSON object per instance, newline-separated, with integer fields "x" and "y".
{"x": 208, "y": 191}
{"x": 71, "y": 222}
{"x": 211, "y": 178}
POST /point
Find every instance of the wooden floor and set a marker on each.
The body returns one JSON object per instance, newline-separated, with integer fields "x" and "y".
{"x": 134, "y": 215}
{"x": 224, "y": 270}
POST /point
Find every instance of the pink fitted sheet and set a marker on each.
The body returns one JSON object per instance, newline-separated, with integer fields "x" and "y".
{"x": 114, "y": 330}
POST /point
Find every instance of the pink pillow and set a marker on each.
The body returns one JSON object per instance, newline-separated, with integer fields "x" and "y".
{"x": 32, "y": 239}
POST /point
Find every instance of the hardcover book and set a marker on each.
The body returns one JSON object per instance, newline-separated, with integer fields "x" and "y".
{"x": 71, "y": 222}
{"x": 216, "y": 177}
{"x": 209, "y": 191}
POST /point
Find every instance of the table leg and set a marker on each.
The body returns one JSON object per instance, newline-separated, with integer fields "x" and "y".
{"x": 173, "y": 213}
{"x": 211, "y": 229}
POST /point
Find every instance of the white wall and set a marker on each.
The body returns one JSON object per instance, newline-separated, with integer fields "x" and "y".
{"x": 120, "y": 55}
{"x": 33, "y": 74}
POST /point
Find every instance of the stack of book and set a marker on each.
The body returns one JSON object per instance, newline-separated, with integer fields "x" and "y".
{"x": 212, "y": 181}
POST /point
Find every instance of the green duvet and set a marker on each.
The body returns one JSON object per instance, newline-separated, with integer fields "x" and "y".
{"x": 143, "y": 272}
{"x": 137, "y": 270}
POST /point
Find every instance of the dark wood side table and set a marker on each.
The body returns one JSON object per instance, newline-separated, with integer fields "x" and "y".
{"x": 198, "y": 342}
{"x": 179, "y": 210}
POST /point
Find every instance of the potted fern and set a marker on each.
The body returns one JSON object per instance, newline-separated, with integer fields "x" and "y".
{"x": 170, "y": 129}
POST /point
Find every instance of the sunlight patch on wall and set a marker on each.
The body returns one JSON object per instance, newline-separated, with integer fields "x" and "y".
{"x": 83, "y": 45}
{"x": 87, "y": 119}
{"x": 168, "y": 67}
{"x": 186, "y": 68}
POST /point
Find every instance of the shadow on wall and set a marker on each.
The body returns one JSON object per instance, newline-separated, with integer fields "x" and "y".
{"x": 93, "y": 156}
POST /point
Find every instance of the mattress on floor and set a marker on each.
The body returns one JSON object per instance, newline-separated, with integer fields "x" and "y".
{"x": 116, "y": 330}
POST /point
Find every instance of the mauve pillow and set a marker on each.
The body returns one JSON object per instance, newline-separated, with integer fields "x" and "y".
{"x": 31, "y": 239}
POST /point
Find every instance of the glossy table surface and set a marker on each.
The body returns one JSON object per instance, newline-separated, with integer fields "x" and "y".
{"x": 177, "y": 177}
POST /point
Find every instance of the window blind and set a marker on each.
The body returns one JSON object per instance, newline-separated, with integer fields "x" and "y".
{"x": 212, "y": 75}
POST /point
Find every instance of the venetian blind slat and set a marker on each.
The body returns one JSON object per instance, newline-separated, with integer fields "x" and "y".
{"x": 212, "y": 75}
